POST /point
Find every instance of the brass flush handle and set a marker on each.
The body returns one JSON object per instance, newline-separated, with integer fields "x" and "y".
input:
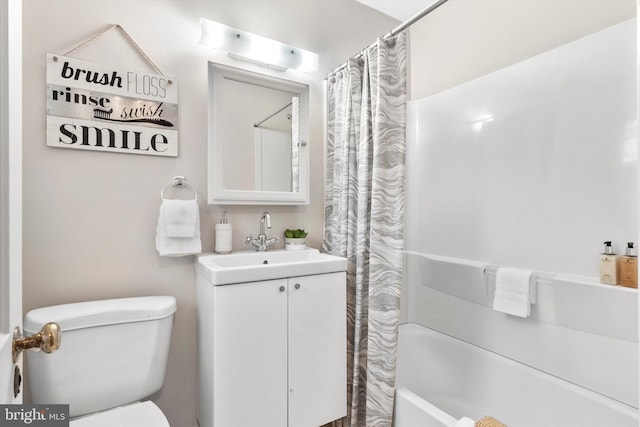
{"x": 47, "y": 340}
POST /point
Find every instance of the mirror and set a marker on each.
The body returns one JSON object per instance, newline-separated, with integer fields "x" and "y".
{"x": 258, "y": 133}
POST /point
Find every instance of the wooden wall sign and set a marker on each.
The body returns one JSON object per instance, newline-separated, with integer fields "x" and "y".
{"x": 92, "y": 106}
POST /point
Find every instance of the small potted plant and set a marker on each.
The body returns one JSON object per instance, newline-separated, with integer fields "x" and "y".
{"x": 295, "y": 240}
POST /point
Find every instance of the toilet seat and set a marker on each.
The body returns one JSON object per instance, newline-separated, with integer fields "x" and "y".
{"x": 138, "y": 414}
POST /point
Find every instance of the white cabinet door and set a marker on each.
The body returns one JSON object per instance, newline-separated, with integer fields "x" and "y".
{"x": 249, "y": 354}
{"x": 317, "y": 349}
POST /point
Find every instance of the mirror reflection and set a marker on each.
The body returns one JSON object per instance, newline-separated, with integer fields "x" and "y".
{"x": 255, "y": 144}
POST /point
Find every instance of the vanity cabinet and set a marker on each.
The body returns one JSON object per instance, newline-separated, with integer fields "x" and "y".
{"x": 272, "y": 353}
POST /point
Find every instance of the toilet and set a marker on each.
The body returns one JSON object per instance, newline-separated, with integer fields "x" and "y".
{"x": 112, "y": 359}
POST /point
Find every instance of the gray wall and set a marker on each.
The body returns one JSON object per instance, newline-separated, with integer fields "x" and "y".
{"x": 465, "y": 39}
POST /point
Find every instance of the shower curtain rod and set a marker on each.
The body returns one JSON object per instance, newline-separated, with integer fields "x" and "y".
{"x": 409, "y": 22}
{"x": 406, "y": 24}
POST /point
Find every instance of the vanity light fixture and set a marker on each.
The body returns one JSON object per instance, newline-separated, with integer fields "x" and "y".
{"x": 246, "y": 46}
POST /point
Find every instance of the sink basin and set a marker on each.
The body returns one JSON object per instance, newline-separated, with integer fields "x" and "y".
{"x": 252, "y": 266}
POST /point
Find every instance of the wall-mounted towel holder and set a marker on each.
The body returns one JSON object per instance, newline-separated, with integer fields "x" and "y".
{"x": 539, "y": 278}
{"x": 179, "y": 182}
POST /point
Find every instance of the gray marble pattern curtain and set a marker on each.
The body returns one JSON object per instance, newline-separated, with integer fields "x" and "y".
{"x": 364, "y": 217}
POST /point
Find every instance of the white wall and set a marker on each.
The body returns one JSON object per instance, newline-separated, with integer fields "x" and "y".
{"x": 539, "y": 187}
{"x": 90, "y": 218}
{"x": 531, "y": 166}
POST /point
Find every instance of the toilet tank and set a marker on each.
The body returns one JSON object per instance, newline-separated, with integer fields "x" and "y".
{"x": 112, "y": 352}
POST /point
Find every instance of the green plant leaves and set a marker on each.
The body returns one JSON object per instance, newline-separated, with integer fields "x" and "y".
{"x": 295, "y": 234}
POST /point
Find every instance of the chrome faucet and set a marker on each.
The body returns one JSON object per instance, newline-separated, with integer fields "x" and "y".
{"x": 262, "y": 242}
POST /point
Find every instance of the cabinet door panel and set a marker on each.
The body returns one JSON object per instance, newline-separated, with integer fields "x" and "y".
{"x": 249, "y": 354}
{"x": 317, "y": 349}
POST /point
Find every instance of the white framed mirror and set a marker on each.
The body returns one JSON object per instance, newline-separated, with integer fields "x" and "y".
{"x": 258, "y": 139}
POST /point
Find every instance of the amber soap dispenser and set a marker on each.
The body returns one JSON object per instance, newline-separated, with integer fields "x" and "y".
{"x": 608, "y": 265}
{"x": 629, "y": 267}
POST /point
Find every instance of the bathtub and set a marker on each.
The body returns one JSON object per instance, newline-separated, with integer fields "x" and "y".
{"x": 411, "y": 410}
{"x": 441, "y": 379}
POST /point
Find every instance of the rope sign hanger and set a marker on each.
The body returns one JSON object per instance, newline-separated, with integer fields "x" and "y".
{"x": 129, "y": 38}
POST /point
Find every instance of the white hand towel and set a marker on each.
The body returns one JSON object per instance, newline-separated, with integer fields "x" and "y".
{"x": 179, "y": 217}
{"x": 515, "y": 291}
{"x": 465, "y": 422}
{"x": 167, "y": 245}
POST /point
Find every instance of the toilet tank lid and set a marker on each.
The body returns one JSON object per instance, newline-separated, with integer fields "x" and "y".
{"x": 99, "y": 313}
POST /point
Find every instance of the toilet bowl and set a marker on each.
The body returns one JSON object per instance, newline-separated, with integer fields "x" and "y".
{"x": 112, "y": 358}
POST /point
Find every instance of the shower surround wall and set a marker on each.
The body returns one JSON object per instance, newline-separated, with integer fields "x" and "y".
{"x": 532, "y": 166}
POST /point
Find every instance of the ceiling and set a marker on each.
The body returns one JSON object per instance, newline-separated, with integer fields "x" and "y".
{"x": 399, "y": 9}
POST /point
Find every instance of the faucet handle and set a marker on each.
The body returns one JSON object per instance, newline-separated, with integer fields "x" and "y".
{"x": 271, "y": 241}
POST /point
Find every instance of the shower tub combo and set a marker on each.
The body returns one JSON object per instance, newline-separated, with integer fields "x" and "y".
{"x": 561, "y": 367}
{"x": 574, "y": 361}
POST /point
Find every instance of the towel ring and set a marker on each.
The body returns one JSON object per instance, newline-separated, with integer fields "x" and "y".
{"x": 178, "y": 182}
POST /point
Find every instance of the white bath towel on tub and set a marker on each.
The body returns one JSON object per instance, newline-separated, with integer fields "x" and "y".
{"x": 178, "y": 230}
{"x": 465, "y": 422}
{"x": 515, "y": 291}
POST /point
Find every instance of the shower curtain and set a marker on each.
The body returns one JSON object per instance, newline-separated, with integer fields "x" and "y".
{"x": 364, "y": 217}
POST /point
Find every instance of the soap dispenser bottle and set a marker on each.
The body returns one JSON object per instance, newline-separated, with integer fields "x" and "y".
{"x": 629, "y": 267}
{"x": 608, "y": 265}
{"x": 223, "y": 237}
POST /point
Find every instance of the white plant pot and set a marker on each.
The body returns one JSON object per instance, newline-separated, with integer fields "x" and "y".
{"x": 293, "y": 244}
